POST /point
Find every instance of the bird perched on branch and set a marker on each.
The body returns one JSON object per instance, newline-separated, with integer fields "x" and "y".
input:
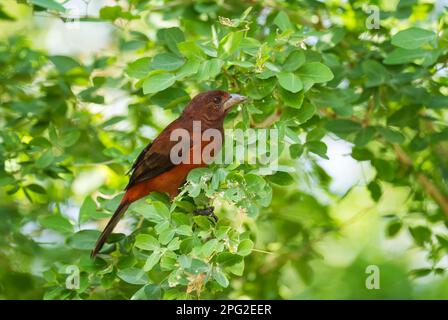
{"x": 158, "y": 168}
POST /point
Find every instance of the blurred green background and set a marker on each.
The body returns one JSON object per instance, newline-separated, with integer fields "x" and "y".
{"x": 72, "y": 120}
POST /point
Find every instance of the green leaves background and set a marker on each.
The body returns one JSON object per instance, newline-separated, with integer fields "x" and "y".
{"x": 311, "y": 70}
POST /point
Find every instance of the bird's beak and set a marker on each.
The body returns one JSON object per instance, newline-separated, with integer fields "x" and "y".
{"x": 233, "y": 100}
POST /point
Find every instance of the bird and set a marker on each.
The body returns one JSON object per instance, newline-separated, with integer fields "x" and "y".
{"x": 155, "y": 169}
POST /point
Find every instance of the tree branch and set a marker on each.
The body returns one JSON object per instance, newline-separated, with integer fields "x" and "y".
{"x": 427, "y": 185}
{"x": 269, "y": 121}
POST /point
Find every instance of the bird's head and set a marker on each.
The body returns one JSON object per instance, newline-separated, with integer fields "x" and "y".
{"x": 212, "y": 105}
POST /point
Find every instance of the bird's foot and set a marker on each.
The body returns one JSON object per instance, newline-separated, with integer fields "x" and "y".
{"x": 209, "y": 212}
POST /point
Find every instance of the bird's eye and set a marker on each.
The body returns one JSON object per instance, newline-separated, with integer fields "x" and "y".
{"x": 217, "y": 100}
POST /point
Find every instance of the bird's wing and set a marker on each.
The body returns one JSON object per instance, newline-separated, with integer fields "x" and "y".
{"x": 154, "y": 159}
{"x": 151, "y": 165}
{"x": 139, "y": 159}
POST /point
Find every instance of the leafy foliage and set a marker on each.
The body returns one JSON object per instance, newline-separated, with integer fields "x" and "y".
{"x": 310, "y": 70}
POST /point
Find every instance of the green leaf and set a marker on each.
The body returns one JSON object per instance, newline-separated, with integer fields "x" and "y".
{"x": 342, "y": 126}
{"x": 89, "y": 211}
{"x": 184, "y": 261}
{"x": 198, "y": 266}
{"x": 6, "y": 16}
{"x": 443, "y": 240}
{"x": 64, "y": 64}
{"x": 184, "y": 230}
{"x": 45, "y": 160}
{"x": 49, "y": 4}
{"x": 290, "y": 81}
{"x": 293, "y": 100}
{"x": 330, "y": 38}
{"x": 237, "y": 268}
{"x": 157, "y": 211}
{"x": 174, "y": 244}
{"x": 258, "y": 89}
{"x": 139, "y": 68}
{"x": 265, "y": 74}
{"x": 209, "y": 247}
{"x": 272, "y": 67}
{"x": 242, "y": 64}
{"x": 403, "y": 117}
{"x": 166, "y": 236}
{"x": 315, "y": 72}
{"x": 437, "y": 101}
{"x": 386, "y": 170}
{"x": 392, "y": 136}
{"x": 393, "y": 228}
{"x": 305, "y": 271}
{"x": 419, "y": 273}
{"x": 171, "y": 37}
{"x": 191, "y": 50}
{"x": 152, "y": 260}
{"x": 146, "y": 242}
{"x": 36, "y": 188}
{"x": 231, "y": 43}
{"x": 295, "y": 150}
{"x": 5, "y": 180}
{"x": 84, "y": 239}
{"x": 316, "y": 134}
{"x": 245, "y": 247}
{"x": 220, "y": 277}
{"x": 254, "y": 183}
{"x": 306, "y": 112}
{"x": 153, "y": 292}
{"x": 375, "y": 190}
{"x": 133, "y": 276}
{"x": 317, "y": 147}
{"x": 282, "y": 21}
{"x": 227, "y": 259}
{"x": 209, "y": 69}
{"x": 170, "y": 98}
{"x": 167, "y": 61}
{"x": 188, "y": 69}
{"x": 203, "y": 222}
{"x": 402, "y": 56}
{"x": 364, "y": 136}
{"x": 376, "y": 74}
{"x": 40, "y": 142}
{"x": 413, "y": 38}
{"x": 281, "y": 178}
{"x": 148, "y": 292}
{"x": 69, "y": 138}
{"x": 56, "y": 222}
{"x": 111, "y": 12}
{"x": 421, "y": 235}
{"x": 294, "y": 61}
{"x": 158, "y": 82}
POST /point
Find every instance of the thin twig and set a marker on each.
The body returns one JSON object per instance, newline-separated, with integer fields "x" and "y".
{"x": 262, "y": 251}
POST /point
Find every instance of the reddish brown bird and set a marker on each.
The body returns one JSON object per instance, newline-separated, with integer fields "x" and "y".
{"x": 154, "y": 170}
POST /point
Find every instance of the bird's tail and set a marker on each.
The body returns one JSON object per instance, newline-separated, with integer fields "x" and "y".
{"x": 109, "y": 227}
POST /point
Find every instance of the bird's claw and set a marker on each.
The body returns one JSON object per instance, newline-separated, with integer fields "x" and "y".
{"x": 209, "y": 212}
